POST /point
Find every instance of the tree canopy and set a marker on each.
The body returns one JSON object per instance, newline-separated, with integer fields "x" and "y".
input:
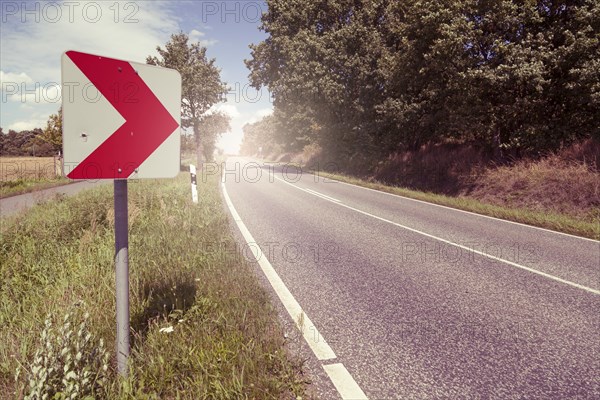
{"x": 201, "y": 84}
{"x": 365, "y": 78}
{"x": 212, "y": 126}
{"x": 52, "y": 134}
{"x": 34, "y": 142}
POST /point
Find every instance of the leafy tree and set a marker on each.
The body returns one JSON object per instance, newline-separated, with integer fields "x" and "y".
{"x": 2, "y": 141}
{"x": 320, "y": 64}
{"x": 262, "y": 137}
{"x": 530, "y": 87}
{"x": 212, "y": 126}
{"x": 52, "y": 134}
{"x": 24, "y": 143}
{"x": 200, "y": 80}
{"x": 188, "y": 144}
{"x": 366, "y": 78}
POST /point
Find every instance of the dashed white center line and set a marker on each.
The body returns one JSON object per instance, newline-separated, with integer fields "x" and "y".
{"x": 470, "y": 249}
{"x": 321, "y": 195}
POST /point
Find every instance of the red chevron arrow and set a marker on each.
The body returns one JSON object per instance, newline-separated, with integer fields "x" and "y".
{"x": 147, "y": 123}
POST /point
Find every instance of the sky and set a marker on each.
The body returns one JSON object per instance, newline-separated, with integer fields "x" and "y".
{"x": 33, "y": 35}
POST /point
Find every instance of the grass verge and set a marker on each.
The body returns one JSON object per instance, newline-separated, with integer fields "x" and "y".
{"x": 549, "y": 220}
{"x": 202, "y": 327}
{"x": 21, "y": 186}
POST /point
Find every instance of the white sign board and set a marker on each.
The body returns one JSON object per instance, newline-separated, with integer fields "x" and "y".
{"x": 121, "y": 119}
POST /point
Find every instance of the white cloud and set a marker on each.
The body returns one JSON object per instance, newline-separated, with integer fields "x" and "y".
{"x": 11, "y": 77}
{"x": 48, "y": 93}
{"x": 25, "y": 107}
{"x": 132, "y": 33}
{"x": 260, "y": 114}
{"x": 264, "y": 112}
{"x": 195, "y": 35}
{"x": 226, "y": 108}
{"x": 208, "y": 42}
{"x": 125, "y": 30}
{"x": 27, "y": 125}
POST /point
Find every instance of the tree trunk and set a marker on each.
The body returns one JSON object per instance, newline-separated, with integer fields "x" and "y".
{"x": 497, "y": 146}
{"x": 199, "y": 147}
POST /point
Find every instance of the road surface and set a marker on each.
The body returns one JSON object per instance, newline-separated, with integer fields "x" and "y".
{"x": 15, "y": 204}
{"x": 399, "y": 298}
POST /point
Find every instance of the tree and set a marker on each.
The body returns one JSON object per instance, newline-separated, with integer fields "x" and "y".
{"x": 320, "y": 64}
{"x": 52, "y": 134}
{"x": 262, "y": 137}
{"x": 366, "y": 78}
{"x": 212, "y": 126}
{"x": 201, "y": 83}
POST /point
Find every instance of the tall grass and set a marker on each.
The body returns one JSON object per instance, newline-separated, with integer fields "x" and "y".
{"x": 551, "y": 184}
{"x": 202, "y": 327}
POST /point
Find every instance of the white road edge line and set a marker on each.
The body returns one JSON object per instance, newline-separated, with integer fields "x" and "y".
{"x": 343, "y": 382}
{"x": 457, "y": 209}
{"x": 310, "y": 333}
{"x": 535, "y": 271}
{"x": 321, "y": 195}
{"x": 339, "y": 375}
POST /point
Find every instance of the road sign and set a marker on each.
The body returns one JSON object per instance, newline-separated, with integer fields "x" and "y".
{"x": 120, "y": 118}
{"x": 120, "y": 121}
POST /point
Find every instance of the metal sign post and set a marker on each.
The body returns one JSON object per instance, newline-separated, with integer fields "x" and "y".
{"x": 122, "y": 274}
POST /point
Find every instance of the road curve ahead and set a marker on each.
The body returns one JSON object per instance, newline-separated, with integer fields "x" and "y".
{"x": 403, "y": 299}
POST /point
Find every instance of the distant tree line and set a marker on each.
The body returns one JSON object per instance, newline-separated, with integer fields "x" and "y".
{"x": 262, "y": 137}
{"x": 367, "y": 78}
{"x": 36, "y": 142}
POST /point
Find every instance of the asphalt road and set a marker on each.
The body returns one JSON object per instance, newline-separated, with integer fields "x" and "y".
{"x": 409, "y": 300}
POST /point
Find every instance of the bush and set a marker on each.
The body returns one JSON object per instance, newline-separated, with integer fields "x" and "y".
{"x": 68, "y": 364}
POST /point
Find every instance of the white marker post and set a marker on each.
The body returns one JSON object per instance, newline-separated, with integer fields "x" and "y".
{"x": 194, "y": 186}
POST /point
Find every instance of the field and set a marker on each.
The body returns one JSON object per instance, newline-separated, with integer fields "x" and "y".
{"x": 14, "y": 168}
{"x": 202, "y": 326}
{"x": 25, "y": 174}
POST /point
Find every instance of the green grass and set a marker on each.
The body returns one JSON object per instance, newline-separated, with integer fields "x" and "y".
{"x": 549, "y": 220}
{"x": 185, "y": 273}
{"x": 27, "y": 185}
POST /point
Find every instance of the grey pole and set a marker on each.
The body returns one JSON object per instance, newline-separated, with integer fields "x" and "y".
{"x": 122, "y": 275}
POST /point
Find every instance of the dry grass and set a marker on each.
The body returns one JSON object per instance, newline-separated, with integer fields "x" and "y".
{"x": 551, "y": 184}
{"x": 567, "y": 182}
{"x": 449, "y": 168}
{"x": 20, "y": 175}
{"x": 15, "y": 168}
